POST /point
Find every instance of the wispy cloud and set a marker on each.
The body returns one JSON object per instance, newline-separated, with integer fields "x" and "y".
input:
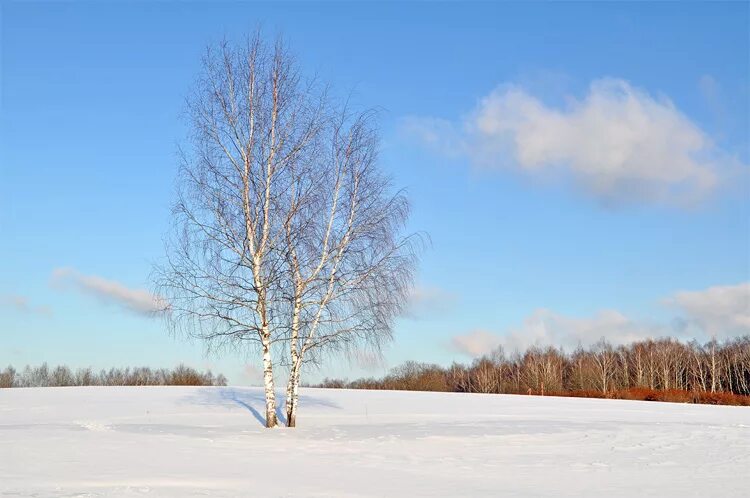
{"x": 427, "y": 301}
{"x": 476, "y": 343}
{"x": 139, "y": 301}
{"x": 720, "y": 311}
{"x": 545, "y": 327}
{"x": 23, "y": 305}
{"x": 618, "y": 143}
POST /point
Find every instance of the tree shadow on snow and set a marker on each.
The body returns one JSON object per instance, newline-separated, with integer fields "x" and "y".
{"x": 253, "y": 401}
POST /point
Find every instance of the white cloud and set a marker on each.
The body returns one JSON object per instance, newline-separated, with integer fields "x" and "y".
{"x": 138, "y": 301}
{"x": 547, "y": 328}
{"x": 720, "y": 311}
{"x": 22, "y": 304}
{"x": 476, "y": 343}
{"x": 619, "y": 144}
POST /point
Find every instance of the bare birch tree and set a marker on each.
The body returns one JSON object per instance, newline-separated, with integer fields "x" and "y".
{"x": 288, "y": 237}
{"x": 251, "y": 117}
{"x": 605, "y": 362}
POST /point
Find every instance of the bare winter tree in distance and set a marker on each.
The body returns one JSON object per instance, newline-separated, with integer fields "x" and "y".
{"x": 287, "y": 241}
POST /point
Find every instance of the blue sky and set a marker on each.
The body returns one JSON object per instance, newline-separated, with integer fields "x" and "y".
{"x": 580, "y": 168}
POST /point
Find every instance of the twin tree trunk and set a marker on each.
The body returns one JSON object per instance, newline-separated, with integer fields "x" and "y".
{"x": 279, "y": 193}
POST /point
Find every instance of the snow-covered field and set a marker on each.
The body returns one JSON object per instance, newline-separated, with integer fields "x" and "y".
{"x": 185, "y": 441}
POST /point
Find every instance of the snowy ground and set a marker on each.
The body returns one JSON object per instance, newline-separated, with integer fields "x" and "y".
{"x": 184, "y": 441}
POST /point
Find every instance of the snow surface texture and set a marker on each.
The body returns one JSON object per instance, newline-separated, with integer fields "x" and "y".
{"x": 209, "y": 441}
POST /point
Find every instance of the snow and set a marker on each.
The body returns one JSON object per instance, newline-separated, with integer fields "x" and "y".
{"x": 208, "y": 441}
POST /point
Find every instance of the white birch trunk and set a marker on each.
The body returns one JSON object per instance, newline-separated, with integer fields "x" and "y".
{"x": 292, "y": 395}
{"x": 269, "y": 385}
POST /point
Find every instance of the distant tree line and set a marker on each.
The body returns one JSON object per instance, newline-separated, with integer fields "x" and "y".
{"x": 61, "y": 376}
{"x": 664, "y": 370}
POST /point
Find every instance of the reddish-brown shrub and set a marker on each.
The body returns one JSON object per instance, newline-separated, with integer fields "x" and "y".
{"x": 680, "y": 396}
{"x": 645, "y": 394}
{"x": 722, "y": 399}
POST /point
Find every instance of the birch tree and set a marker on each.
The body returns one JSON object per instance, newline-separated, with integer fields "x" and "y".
{"x": 350, "y": 268}
{"x": 288, "y": 239}
{"x": 251, "y": 117}
{"x": 604, "y": 359}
